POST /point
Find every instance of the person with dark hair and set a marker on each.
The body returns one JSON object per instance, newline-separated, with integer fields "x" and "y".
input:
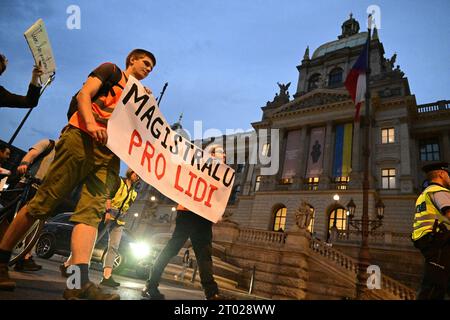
{"x": 81, "y": 157}
{"x": 36, "y": 163}
{"x": 11, "y": 100}
{"x": 431, "y": 232}
{"x": 199, "y": 230}
{"x": 5, "y": 153}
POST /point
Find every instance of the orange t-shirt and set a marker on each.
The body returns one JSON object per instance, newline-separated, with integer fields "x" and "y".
{"x": 104, "y": 102}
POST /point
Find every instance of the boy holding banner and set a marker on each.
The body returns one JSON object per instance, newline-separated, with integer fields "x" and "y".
{"x": 199, "y": 230}
{"x": 81, "y": 157}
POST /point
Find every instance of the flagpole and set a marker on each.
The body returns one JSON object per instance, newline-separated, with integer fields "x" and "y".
{"x": 364, "y": 254}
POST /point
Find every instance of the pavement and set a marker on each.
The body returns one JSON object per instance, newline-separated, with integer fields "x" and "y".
{"x": 48, "y": 284}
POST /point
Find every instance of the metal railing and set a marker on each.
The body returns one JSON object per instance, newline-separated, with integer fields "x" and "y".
{"x": 388, "y": 284}
{"x": 262, "y": 237}
{"x": 433, "y": 107}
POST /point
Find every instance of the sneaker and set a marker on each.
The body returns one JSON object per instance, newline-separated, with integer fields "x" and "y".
{"x": 6, "y": 283}
{"x": 110, "y": 282}
{"x": 27, "y": 265}
{"x": 89, "y": 292}
{"x": 152, "y": 293}
{"x": 63, "y": 270}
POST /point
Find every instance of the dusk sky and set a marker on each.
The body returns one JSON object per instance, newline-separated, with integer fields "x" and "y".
{"x": 222, "y": 59}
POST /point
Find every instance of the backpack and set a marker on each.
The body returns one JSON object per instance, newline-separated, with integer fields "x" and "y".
{"x": 106, "y": 87}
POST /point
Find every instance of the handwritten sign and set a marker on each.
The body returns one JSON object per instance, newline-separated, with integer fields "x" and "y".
{"x": 41, "y": 49}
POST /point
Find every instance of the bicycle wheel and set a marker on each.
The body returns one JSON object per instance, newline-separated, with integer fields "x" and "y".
{"x": 27, "y": 242}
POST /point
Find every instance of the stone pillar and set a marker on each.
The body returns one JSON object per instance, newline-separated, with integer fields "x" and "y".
{"x": 225, "y": 231}
{"x": 247, "y": 189}
{"x": 303, "y": 158}
{"x": 324, "y": 181}
{"x": 405, "y": 180}
{"x": 356, "y": 175}
{"x": 283, "y": 144}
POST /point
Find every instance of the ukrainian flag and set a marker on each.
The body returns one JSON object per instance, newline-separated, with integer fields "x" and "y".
{"x": 343, "y": 150}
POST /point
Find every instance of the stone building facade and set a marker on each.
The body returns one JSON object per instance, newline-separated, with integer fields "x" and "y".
{"x": 320, "y": 155}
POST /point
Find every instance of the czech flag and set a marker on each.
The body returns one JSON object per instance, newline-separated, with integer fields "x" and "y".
{"x": 356, "y": 80}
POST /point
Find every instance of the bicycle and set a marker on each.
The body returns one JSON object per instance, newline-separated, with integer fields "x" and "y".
{"x": 10, "y": 211}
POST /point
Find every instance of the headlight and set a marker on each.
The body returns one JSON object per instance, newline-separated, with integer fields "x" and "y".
{"x": 139, "y": 249}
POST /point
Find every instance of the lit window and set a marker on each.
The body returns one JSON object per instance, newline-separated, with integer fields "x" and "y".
{"x": 388, "y": 178}
{"x": 257, "y": 183}
{"x": 311, "y": 222}
{"x": 266, "y": 149}
{"x": 338, "y": 216}
{"x": 280, "y": 219}
{"x": 387, "y": 135}
{"x": 429, "y": 150}
{"x": 286, "y": 181}
{"x": 341, "y": 182}
{"x": 312, "y": 183}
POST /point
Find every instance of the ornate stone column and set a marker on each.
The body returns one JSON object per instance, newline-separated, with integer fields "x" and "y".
{"x": 324, "y": 181}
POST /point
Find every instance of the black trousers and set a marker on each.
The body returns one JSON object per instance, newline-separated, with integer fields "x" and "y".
{"x": 199, "y": 230}
{"x": 436, "y": 251}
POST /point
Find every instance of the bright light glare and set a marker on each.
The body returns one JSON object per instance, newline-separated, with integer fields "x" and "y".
{"x": 140, "y": 249}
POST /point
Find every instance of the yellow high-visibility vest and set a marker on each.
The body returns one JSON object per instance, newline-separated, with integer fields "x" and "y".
{"x": 427, "y": 213}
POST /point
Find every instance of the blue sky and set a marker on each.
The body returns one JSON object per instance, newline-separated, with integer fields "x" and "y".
{"x": 222, "y": 59}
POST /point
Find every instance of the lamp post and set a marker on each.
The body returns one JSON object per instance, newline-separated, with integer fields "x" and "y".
{"x": 362, "y": 226}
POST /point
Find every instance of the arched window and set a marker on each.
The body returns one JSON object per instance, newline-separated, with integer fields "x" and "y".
{"x": 335, "y": 77}
{"x": 338, "y": 217}
{"x": 311, "y": 221}
{"x": 279, "y": 223}
{"x": 313, "y": 82}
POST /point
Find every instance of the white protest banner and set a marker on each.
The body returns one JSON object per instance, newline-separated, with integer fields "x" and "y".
{"x": 139, "y": 135}
{"x": 41, "y": 49}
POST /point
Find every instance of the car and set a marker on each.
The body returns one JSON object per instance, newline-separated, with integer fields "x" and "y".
{"x": 55, "y": 238}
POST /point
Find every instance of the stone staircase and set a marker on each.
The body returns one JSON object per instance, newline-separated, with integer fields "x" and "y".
{"x": 287, "y": 265}
{"x": 333, "y": 276}
{"x": 226, "y": 275}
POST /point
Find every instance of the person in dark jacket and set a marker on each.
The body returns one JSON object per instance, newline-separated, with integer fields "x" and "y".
{"x": 11, "y": 100}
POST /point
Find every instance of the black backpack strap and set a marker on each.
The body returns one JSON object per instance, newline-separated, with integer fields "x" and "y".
{"x": 107, "y": 86}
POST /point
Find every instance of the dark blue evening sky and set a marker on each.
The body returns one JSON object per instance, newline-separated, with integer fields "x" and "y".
{"x": 222, "y": 59}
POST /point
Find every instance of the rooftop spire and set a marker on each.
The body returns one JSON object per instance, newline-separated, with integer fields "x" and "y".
{"x": 306, "y": 55}
{"x": 349, "y": 27}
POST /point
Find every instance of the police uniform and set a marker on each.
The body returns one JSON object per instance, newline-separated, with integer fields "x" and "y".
{"x": 431, "y": 235}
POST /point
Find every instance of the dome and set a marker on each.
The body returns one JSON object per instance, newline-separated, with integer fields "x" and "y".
{"x": 352, "y": 41}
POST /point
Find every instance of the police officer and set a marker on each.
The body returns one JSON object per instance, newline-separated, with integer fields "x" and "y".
{"x": 431, "y": 231}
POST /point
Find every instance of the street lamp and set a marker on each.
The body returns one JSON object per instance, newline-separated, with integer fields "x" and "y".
{"x": 358, "y": 224}
{"x": 362, "y": 226}
{"x": 380, "y": 209}
{"x": 351, "y": 209}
